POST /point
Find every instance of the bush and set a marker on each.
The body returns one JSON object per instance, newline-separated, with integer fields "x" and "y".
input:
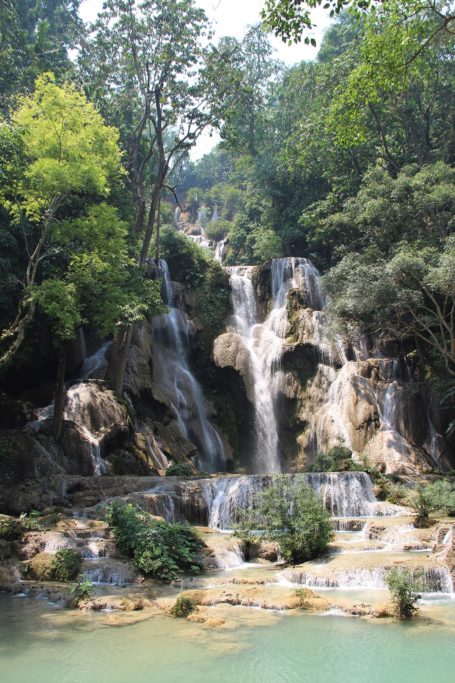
{"x": 11, "y": 529}
{"x": 180, "y": 469}
{"x": 81, "y": 591}
{"x": 404, "y": 586}
{"x": 290, "y": 514}
{"x": 437, "y": 496}
{"x": 217, "y": 230}
{"x": 182, "y": 607}
{"x": 337, "y": 459}
{"x": 158, "y": 548}
{"x": 66, "y": 565}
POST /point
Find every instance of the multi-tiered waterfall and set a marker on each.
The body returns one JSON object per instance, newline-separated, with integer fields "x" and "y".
{"x": 174, "y": 379}
{"x": 350, "y": 394}
{"x": 264, "y": 342}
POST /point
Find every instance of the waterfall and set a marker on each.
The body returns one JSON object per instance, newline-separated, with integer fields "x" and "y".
{"x": 433, "y": 579}
{"x": 174, "y": 379}
{"x": 219, "y": 502}
{"x": 263, "y": 345}
{"x": 264, "y": 342}
{"x": 96, "y": 363}
{"x": 77, "y": 396}
{"x": 219, "y": 251}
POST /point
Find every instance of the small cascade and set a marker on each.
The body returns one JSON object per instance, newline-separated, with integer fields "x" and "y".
{"x": 110, "y": 572}
{"x": 96, "y": 364}
{"x": 346, "y": 494}
{"x": 76, "y": 397}
{"x": 219, "y": 502}
{"x": 173, "y": 377}
{"x": 431, "y": 579}
{"x": 56, "y": 540}
{"x": 219, "y": 251}
{"x": 154, "y": 451}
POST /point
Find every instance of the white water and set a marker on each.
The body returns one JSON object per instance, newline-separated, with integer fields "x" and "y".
{"x": 344, "y": 494}
{"x": 173, "y": 377}
{"x": 433, "y": 579}
{"x": 219, "y": 251}
{"x": 264, "y": 342}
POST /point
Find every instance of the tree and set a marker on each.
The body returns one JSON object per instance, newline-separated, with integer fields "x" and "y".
{"x": 289, "y": 513}
{"x": 404, "y": 586}
{"x": 288, "y": 19}
{"x": 69, "y": 151}
{"x": 77, "y": 266}
{"x": 35, "y": 36}
{"x": 147, "y": 59}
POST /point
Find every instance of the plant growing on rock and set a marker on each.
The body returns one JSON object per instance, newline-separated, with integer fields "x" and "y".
{"x": 182, "y": 607}
{"x": 180, "y": 469}
{"x": 404, "y": 587}
{"x": 158, "y": 548}
{"x": 337, "y": 459}
{"x": 439, "y": 495}
{"x": 83, "y": 590}
{"x": 290, "y": 514}
{"x": 66, "y": 565}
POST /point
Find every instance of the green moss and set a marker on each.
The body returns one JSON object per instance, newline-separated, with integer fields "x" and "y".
{"x": 182, "y": 607}
{"x": 180, "y": 469}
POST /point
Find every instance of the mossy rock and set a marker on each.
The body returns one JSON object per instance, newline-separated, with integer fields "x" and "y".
{"x": 39, "y": 567}
{"x": 62, "y": 566}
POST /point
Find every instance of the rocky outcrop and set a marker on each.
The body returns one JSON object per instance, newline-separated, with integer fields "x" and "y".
{"x": 328, "y": 392}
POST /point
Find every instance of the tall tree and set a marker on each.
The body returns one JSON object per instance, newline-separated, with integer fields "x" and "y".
{"x": 69, "y": 151}
{"x": 149, "y": 60}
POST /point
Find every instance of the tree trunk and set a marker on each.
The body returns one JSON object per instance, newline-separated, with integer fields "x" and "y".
{"x": 59, "y": 396}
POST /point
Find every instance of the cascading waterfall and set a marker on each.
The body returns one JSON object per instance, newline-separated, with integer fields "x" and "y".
{"x": 219, "y": 502}
{"x": 173, "y": 377}
{"x": 219, "y": 251}
{"x": 72, "y": 411}
{"x": 264, "y": 342}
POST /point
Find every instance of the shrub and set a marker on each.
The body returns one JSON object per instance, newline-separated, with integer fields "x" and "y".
{"x": 439, "y": 495}
{"x": 66, "y": 565}
{"x": 83, "y": 590}
{"x": 290, "y": 514}
{"x": 404, "y": 586}
{"x": 158, "y": 548}
{"x": 217, "y": 230}
{"x": 182, "y": 607}
{"x": 337, "y": 459}
{"x": 180, "y": 469}
{"x": 11, "y": 529}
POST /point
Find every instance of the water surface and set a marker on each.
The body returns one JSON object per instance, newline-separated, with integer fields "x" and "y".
{"x": 40, "y": 644}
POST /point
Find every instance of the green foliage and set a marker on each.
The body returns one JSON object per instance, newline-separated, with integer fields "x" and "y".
{"x": 194, "y": 266}
{"x": 180, "y": 469}
{"x": 12, "y": 529}
{"x": 182, "y": 607}
{"x": 69, "y": 147}
{"x": 404, "y": 586}
{"x": 158, "y": 549}
{"x": 66, "y": 565}
{"x": 83, "y": 590}
{"x": 217, "y": 230}
{"x": 290, "y": 514}
{"x": 337, "y": 459}
{"x": 436, "y": 496}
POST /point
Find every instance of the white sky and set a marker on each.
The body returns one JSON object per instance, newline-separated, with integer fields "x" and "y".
{"x": 231, "y": 18}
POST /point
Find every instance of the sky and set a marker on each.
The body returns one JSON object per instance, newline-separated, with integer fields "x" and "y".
{"x": 231, "y": 18}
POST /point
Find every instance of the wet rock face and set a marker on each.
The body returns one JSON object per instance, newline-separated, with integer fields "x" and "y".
{"x": 328, "y": 393}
